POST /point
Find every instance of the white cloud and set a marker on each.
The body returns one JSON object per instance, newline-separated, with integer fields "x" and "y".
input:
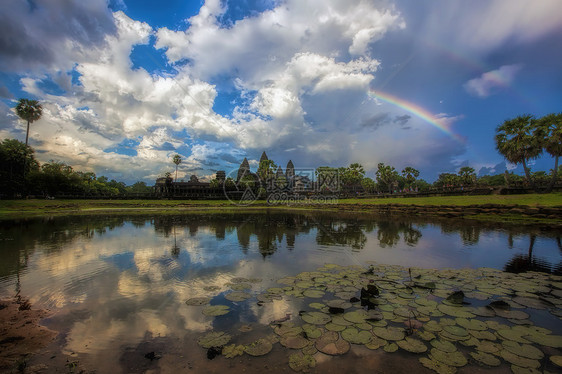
{"x": 489, "y": 82}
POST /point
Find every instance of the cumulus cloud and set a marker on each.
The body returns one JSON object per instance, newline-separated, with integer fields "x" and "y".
{"x": 51, "y": 34}
{"x": 491, "y": 81}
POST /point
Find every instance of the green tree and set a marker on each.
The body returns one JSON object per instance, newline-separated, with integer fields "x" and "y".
{"x": 549, "y": 134}
{"x": 266, "y": 172}
{"x": 368, "y": 185}
{"x": 17, "y": 165}
{"x": 447, "y": 180}
{"x": 177, "y": 161}
{"x": 30, "y": 111}
{"x": 352, "y": 175}
{"x": 467, "y": 175}
{"x": 386, "y": 176}
{"x": 410, "y": 175}
{"x": 516, "y": 141}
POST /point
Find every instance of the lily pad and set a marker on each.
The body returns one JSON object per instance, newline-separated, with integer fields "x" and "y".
{"x": 260, "y": 347}
{"x": 355, "y": 336}
{"x": 375, "y": 343}
{"x": 554, "y": 341}
{"x": 316, "y": 318}
{"x": 332, "y": 344}
{"x": 521, "y": 370}
{"x": 241, "y": 286}
{"x": 301, "y": 362}
{"x": 214, "y": 339}
{"x": 389, "y": 333}
{"x": 313, "y": 293}
{"x": 532, "y": 302}
{"x": 238, "y": 296}
{"x": 518, "y": 360}
{"x": 357, "y": 316}
{"x": 294, "y": 342}
{"x": 232, "y": 350}
{"x": 311, "y": 331}
{"x": 334, "y": 327}
{"x": 512, "y": 334}
{"x": 443, "y": 345}
{"x": 437, "y": 366}
{"x": 412, "y": 345}
{"x": 198, "y": 301}
{"x": 216, "y": 310}
{"x": 523, "y": 350}
{"x": 485, "y": 358}
{"x": 390, "y": 347}
{"x": 456, "y": 358}
{"x": 483, "y": 335}
{"x": 456, "y": 330}
{"x": 556, "y": 360}
{"x": 471, "y": 324}
{"x": 455, "y": 311}
{"x": 489, "y": 347}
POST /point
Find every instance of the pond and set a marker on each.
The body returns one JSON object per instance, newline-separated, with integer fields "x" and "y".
{"x": 283, "y": 291}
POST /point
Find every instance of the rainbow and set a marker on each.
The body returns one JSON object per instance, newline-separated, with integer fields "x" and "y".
{"x": 416, "y": 110}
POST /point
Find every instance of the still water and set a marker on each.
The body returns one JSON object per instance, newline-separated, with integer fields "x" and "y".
{"x": 117, "y": 285}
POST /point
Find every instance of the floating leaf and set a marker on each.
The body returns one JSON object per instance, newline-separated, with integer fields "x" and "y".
{"x": 316, "y": 318}
{"x": 376, "y": 343}
{"x": 232, "y": 350}
{"x": 288, "y": 329}
{"x": 330, "y": 343}
{"x": 301, "y": 362}
{"x": 449, "y": 358}
{"x": 216, "y": 310}
{"x": 313, "y": 293}
{"x": 523, "y": 350}
{"x": 521, "y": 370}
{"x": 512, "y": 334}
{"x": 483, "y": 335}
{"x": 471, "y": 324}
{"x": 355, "y": 336}
{"x": 455, "y": 311}
{"x": 456, "y": 330}
{"x": 390, "y": 347}
{"x": 241, "y": 286}
{"x": 412, "y": 345}
{"x": 437, "y": 366}
{"x": 554, "y": 341}
{"x": 518, "y": 360}
{"x": 532, "y": 302}
{"x": 433, "y": 326}
{"x": 357, "y": 316}
{"x": 485, "y": 358}
{"x": 214, "y": 339}
{"x": 556, "y": 360}
{"x": 294, "y": 342}
{"x": 238, "y": 296}
{"x": 259, "y": 348}
{"x": 489, "y": 347}
{"x": 443, "y": 345}
{"x": 198, "y": 301}
{"x": 389, "y": 333}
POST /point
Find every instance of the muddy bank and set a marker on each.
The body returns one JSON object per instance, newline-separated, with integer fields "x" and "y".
{"x": 21, "y": 334}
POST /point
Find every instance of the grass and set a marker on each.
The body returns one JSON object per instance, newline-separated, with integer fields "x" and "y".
{"x": 26, "y": 208}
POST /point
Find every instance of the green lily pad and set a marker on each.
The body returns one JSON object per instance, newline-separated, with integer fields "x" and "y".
{"x": 532, "y": 302}
{"x": 455, "y": 311}
{"x": 357, "y": 316}
{"x": 312, "y": 293}
{"x": 241, "y": 286}
{"x": 488, "y": 347}
{"x": 316, "y": 318}
{"x": 412, "y": 345}
{"x": 339, "y": 320}
{"x": 332, "y": 344}
{"x": 456, "y": 330}
{"x": 512, "y": 334}
{"x": 294, "y": 342}
{"x": 523, "y": 350}
{"x": 216, "y": 310}
{"x": 426, "y": 302}
{"x": 443, "y": 345}
{"x": 309, "y": 350}
{"x": 334, "y": 327}
{"x": 554, "y": 341}
{"x": 318, "y": 306}
{"x": 390, "y": 347}
{"x": 260, "y": 347}
{"x": 238, "y": 296}
{"x": 470, "y": 342}
{"x": 511, "y": 314}
{"x": 518, "y": 360}
{"x": 456, "y": 358}
{"x": 301, "y": 362}
{"x": 433, "y": 326}
{"x": 437, "y": 366}
{"x": 339, "y": 304}
{"x": 376, "y": 343}
{"x": 288, "y": 329}
{"x": 556, "y": 360}
{"x": 521, "y": 370}
{"x": 425, "y": 335}
{"x": 211, "y": 288}
{"x": 214, "y": 339}
{"x": 232, "y": 350}
{"x": 471, "y": 324}
{"x": 355, "y": 336}
{"x": 311, "y": 331}
{"x": 483, "y": 335}
{"x": 198, "y": 301}
{"x": 389, "y": 333}
{"x": 485, "y": 358}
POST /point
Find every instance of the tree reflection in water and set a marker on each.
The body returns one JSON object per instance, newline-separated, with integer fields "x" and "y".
{"x": 266, "y": 232}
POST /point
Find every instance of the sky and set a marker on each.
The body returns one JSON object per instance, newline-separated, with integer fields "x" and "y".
{"x": 127, "y": 84}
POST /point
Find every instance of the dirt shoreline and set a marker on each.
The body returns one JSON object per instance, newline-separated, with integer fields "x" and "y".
{"x": 21, "y": 335}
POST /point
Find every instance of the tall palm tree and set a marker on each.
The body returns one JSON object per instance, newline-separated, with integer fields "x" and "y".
{"x": 177, "y": 161}
{"x": 549, "y": 133}
{"x": 30, "y": 111}
{"x": 410, "y": 174}
{"x": 516, "y": 142}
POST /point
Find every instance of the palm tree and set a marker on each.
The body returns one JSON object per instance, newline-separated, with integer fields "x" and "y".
{"x": 177, "y": 161}
{"x": 30, "y": 111}
{"x": 516, "y": 142}
{"x": 410, "y": 174}
{"x": 549, "y": 133}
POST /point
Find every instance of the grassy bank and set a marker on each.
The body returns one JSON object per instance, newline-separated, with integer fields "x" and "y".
{"x": 28, "y": 208}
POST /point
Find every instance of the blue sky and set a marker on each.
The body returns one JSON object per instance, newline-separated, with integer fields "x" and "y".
{"x": 125, "y": 85}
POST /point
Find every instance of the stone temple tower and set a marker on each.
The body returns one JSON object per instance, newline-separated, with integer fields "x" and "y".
{"x": 243, "y": 170}
{"x": 290, "y": 170}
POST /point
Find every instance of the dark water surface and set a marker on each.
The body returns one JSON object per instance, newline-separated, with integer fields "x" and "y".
{"x": 118, "y": 284}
